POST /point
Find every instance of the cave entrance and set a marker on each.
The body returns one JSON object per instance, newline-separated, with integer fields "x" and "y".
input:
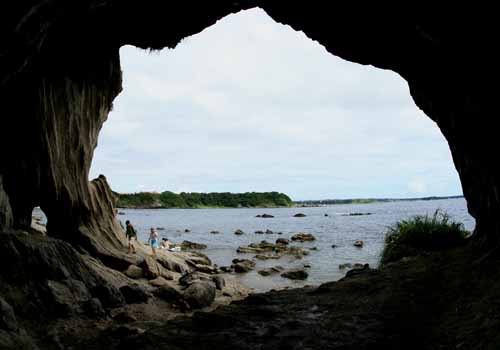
{"x": 252, "y": 105}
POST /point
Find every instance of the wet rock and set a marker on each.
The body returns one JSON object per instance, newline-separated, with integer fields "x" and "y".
{"x": 219, "y": 282}
{"x": 214, "y": 232}
{"x": 356, "y": 214}
{"x": 307, "y": 266}
{"x": 227, "y": 269}
{"x": 249, "y": 250}
{"x": 303, "y": 237}
{"x": 185, "y": 245}
{"x": 207, "y": 269}
{"x": 267, "y": 256}
{"x": 326, "y": 214}
{"x": 187, "y": 231}
{"x": 8, "y": 320}
{"x": 243, "y": 265}
{"x": 299, "y": 215}
{"x": 282, "y": 241}
{"x": 270, "y": 271}
{"x": 334, "y": 246}
{"x": 269, "y": 232}
{"x": 150, "y": 268}
{"x": 345, "y": 266}
{"x": 313, "y": 248}
{"x": 134, "y": 294}
{"x": 134, "y": 272}
{"x": 292, "y": 250}
{"x": 200, "y": 294}
{"x": 259, "y": 232}
{"x": 239, "y": 232}
{"x": 296, "y": 274}
{"x": 265, "y": 216}
{"x": 359, "y": 243}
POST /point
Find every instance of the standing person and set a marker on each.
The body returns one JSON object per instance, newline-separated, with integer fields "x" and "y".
{"x": 153, "y": 240}
{"x": 131, "y": 234}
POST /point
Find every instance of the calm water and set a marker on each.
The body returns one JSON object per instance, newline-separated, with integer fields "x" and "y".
{"x": 332, "y": 229}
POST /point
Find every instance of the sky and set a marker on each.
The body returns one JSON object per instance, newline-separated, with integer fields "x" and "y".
{"x": 252, "y": 105}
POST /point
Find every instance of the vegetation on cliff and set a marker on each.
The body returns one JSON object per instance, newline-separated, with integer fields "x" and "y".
{"x": 203, "y": 200}
{"x": 422, "y": 233}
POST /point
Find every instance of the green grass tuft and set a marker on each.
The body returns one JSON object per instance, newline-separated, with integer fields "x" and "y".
{"x": 422, "y": 233}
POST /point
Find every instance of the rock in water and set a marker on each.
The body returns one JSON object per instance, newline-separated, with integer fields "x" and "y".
{"x": 269, "y": 232}
{"x": 239, "y": 232}
{"x": 243, "y": 265}
{"x": 200, "y": 294}
{"x": 303, "y": 237}
{"x": 359, "y": 243}
{"x": 282, "y": 241}
{"x": 299, "y": 215}
{"x": 192, "y": 245}
{"x": 265, "y": 216}
{"x": 298, "y": 274}
{"x": 259, "y": 232}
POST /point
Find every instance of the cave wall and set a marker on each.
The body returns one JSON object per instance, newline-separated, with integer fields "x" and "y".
{"x": 60, "y": 72}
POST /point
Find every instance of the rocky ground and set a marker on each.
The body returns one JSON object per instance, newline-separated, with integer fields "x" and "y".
{"x": 442, "y": 301}
{"x": 52, "y": 297}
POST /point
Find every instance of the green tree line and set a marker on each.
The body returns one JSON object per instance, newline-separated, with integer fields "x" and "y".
{"x": 169, "y": 199}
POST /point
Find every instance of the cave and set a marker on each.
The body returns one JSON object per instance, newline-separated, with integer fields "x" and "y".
{"x": 60, "y": 72}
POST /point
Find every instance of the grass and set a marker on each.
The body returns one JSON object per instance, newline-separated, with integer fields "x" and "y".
{"x": 420, "y": 234}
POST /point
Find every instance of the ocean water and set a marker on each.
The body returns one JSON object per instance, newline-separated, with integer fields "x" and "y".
{"x": 334, "y": 229}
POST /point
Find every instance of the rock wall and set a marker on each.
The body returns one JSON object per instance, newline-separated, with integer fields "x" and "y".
{"x": 60, "y": 71}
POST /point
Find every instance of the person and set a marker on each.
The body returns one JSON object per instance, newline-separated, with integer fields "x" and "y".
{"x": 153, "y": 240}
{"x": 131, "y": 234}
{"x": 165, "y": 244}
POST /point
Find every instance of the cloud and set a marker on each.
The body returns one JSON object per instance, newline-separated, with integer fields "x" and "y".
{"x": 249, "y": 104}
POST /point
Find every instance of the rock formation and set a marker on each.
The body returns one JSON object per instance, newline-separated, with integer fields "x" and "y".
{"x": 60, "y": 72}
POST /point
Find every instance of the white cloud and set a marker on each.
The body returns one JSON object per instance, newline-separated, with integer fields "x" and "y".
{"x": 249, "y": 104}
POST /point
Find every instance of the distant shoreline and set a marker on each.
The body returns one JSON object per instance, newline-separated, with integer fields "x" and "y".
{"x": 306, "y": 203}
{"x": 325, "y": 202}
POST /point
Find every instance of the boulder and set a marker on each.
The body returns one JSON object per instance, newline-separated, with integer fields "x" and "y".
{"x": 187, "y": 231}
{"x": 270, "y": 271}
{"x": 200, "y": 294}
{"x": 134, "y": 294}
{"x": 185, "y": 245}
{"x": 269, "y": 232}
{"x": 259, "y": 232}
{"x": 134, "y": 272}
{"x": 150, "y": 268}
{"x": 243, "y": 265}
{"x": 282, "y": 241}
{"x": 326, "y": 214}
{"x": 359, "y": 243}
{"x": 334, "y": 246}
{"x": 265, "y": 216}
{"x": 296, "y": 274}
{"x": 214, "y": 232}
{"x": 168, "y": 293}
{"x": 303, "y": 237}
{"x": 299, "y": 215}
{"x": 239, "y": 232}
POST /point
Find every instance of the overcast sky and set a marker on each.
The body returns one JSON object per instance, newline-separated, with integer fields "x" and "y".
{"x": 252, "y": 105}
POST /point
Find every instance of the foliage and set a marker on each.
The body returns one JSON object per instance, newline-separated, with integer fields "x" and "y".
{"x": 422, "y": 233}
{"x": 169, "y": 199}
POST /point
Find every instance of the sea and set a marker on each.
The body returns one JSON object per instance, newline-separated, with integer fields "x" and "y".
{"x": 331, "y": 225}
